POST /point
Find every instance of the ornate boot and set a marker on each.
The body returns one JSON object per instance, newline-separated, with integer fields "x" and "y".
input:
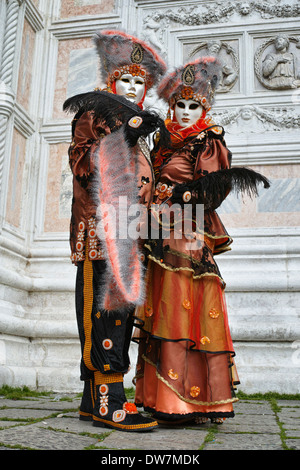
{"x": 88, "y": 401}
{"x": 112, "y": 408}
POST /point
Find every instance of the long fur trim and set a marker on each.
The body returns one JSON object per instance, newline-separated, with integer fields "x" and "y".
{"x": 116, "y": 167}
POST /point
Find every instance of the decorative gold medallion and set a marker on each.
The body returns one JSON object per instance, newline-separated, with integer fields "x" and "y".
{"x": 130, "y": 408}
{"x": 173, "y": 375}
{"x": 213, "y": 313}
{"x": 103, "y": 410}
{"x": 148, "y": 311}
{"x": 135, "y": 121}
{"x": 194, "y": 391}
{"x": 187, "y": 304}
{"x": 103, "y": 389}
{"x": 107, "y": 344}
{"x": 137, "y": 54}
{"x": 118, "y": 415}
{"x": 188, "y": 75}
{"x": 187, "y": 196}
{"x": 204, "y": 340}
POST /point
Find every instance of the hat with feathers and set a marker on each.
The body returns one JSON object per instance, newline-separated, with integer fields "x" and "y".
{"x": 195, "y": 80}
{"x": 122, "y": 53}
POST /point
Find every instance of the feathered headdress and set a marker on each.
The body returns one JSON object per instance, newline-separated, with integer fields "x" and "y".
{"x": 196, "y": 81}
{"x": 122, "y": 53}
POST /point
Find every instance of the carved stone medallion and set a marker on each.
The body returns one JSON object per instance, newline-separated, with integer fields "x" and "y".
{"x": 276, "y": 62}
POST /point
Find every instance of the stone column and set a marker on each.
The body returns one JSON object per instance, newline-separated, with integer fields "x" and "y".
{"x": 7, "y": 96}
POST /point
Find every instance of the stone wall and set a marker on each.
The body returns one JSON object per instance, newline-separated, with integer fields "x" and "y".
{"x": 46, "y": 55}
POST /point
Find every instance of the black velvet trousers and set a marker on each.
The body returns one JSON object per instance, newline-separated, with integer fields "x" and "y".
{"x": 104, "y": 336}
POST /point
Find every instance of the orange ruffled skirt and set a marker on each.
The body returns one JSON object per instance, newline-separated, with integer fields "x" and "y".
{"x": 185, "y": 364}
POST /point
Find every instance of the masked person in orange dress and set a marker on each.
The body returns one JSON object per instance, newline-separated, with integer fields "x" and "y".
{"x": 110, "y": 161}
{"x": 185, "y": 368}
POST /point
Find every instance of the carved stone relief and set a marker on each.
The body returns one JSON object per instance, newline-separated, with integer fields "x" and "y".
{"x": 277, "y": 62}
{"x": 256, "y": 119}
{"x": 153, "y": 32}
{"x": 216, "y": 12}
{"x": 227, "y": 54}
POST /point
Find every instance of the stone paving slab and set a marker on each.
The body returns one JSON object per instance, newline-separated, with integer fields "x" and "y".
{"x": 41, "y": 404}
{"x": 260, "y": 408}
{"x": 224, "y": 441}
{"x": 67, "y": 424}
{"x": 256, "y": 426}
{"x": 289, "y": 403}
{"x": 248, "y": 423}
{"x": 24, "y": 414}
{"x": 293, "y": 444}
{"x": 8, "y": 424}
{"x": 159, "y": 439}
{"x": 289, "y": 415}
{"x": 36, "y": 437}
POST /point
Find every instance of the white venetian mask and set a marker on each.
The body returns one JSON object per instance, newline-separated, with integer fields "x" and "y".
{"x": 187, "y": 112}
{"x": 132, "y": 87}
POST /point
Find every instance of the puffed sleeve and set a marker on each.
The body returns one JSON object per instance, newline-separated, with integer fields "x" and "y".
{"x": 214, "y": 156}
{"x": 87, "y": 131}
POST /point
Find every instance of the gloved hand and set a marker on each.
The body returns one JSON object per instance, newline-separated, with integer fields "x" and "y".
{"x": 141, "y": 125}
{"x": 185, "y": 193}
{"x": 182, "y": 194}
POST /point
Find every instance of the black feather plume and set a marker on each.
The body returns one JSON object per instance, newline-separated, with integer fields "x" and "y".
{"x": 213, "y": 188}
{"x": 115, "y": 110}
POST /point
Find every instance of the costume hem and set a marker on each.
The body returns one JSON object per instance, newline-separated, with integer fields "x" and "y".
{"x": 172, "y": 418}
{"x": 140, "y": 327}
{"x": 193, "y": 402}
{"x": 195, "y": 276}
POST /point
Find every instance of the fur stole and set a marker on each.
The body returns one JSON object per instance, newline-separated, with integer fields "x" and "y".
{"x": 114, "y": 190}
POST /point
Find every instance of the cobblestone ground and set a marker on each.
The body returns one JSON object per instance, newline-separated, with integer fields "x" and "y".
{"x": 52, "y": 424}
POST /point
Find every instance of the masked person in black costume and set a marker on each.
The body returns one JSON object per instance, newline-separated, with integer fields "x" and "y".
{"x": 109, "y": 159}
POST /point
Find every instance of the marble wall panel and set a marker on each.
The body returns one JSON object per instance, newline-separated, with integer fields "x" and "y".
{"x": 277, "y": 206}
{"x": 59, "y": 190}
{"x": 77, "y": 71}
{"x": 26, "y": 66}
{"x": 70, "y": 8}
{"x": 15, "y": 182}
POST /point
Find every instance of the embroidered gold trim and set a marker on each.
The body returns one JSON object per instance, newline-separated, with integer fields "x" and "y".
{"x": 83, "y": 413}
{"x": 87, "y": 310}
{"x": 195, "y": 276}
{"x": 92, "y": 393}
{"x": 107, "y": 378}
{"x": 126, "y": 426}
